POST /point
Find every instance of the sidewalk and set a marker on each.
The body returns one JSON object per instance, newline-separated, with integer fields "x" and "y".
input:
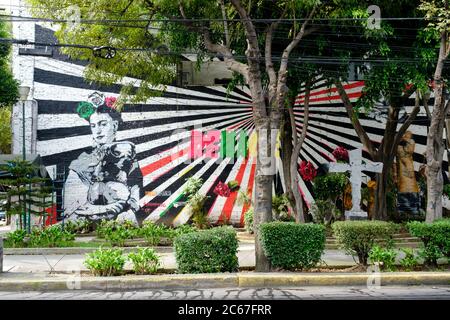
{"x": 74, "y": 262}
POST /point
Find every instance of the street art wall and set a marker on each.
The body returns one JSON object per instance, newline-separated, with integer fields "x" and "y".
{"x": 134, "y": 164}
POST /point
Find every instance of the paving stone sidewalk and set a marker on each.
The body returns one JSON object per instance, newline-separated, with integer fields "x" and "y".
{"x": 74, "y": 262}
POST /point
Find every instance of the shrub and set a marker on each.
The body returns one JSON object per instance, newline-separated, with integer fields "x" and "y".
{"x": 385, "y": 258}
{"x": 117, "y": 232}
{"x": 53, "y": 236}
{"x": 105, "y": 262}
{"x": 435, "y": 237}
{"x": 291, "y": 245}
{"x": 16, "y": 239}
{"x": 409, "y": 262}
{"x": 145, "y": 261}
{"x": 359, "y": 237}
{"x": 207, "y": 251}
{"x": 324, "y": 212}
{"x": 184, "y": 229}
{"x": 153, "y": 232}
{"x": 78, "y": 226}
{"x": 330, "y": 186}
{"x": 280, "y": 208}
{"x": 248, "y": 220}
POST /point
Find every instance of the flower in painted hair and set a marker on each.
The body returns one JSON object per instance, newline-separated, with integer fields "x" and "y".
{"x": 222, "y": 189}
{"x": 85, "y": 109}
{"x": 111, "y": 102}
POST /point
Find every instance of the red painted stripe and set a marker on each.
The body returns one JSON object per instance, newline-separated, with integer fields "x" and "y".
{"x": 303, "y": 196}
{"x": 250, "y": 191}
{"x": 347, "y": 87}
{"x": 350, "y": 95}
{"x": 163, "y": 161}
{"x": 240, "y": 123}
{"x": 229, "y": 203}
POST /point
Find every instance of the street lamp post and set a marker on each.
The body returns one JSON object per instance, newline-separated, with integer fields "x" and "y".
{"x": 23, "y": 93}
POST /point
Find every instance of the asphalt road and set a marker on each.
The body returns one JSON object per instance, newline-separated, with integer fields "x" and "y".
{"x": 307, "y": 293}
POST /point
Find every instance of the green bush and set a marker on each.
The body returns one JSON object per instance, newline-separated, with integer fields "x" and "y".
{"x": 117, "y": 232}
{"x": 291, "y": 245}
{"x": 16, "y": 239}
{"x": 184, "y": 229}
{"x": 105, "y": 262}
{"x": 435, "y": 237}
{"x": 359, "y": 237}
{"x": 153, "y": 232}
{"x": 248, "y": 220}
{"x": 324, "y": 212}
{"x": 385, "y": 258}
{"x": 78, "y": 226}
{"x": 207, "y": 251}
{"x": 330, "y": 186}
{"x": 409, "y": 262}
{"x": 145, "y": 261}
{"x": 53, "y": 236}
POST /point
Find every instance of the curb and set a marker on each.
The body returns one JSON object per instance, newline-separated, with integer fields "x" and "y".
{"x": 73, "y": 250}
{"x": 224, "y": 280}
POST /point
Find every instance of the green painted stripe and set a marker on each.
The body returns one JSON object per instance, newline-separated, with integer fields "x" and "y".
{"x": 171, "y": 204}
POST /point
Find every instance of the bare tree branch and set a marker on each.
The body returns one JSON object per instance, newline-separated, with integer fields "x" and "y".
{"x": 268, "y": 48}
{"x": 294, "y": 42}
{"x": 248, "y": 25}
{"x": 298, "y": 143}
{"x": 406, "y": 124}
{"x": 362, "y": 134}
{"x": 230, "y": 61}
{"x": 225, "y": 24}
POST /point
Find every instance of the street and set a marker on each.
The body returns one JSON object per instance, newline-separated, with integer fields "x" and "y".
{"x": 307, "y": 293}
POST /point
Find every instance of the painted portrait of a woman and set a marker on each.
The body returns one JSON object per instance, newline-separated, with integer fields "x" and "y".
{"x": 104, "y": 183}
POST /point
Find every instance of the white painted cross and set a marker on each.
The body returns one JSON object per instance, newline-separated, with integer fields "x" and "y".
{"x": 356, "y": 167}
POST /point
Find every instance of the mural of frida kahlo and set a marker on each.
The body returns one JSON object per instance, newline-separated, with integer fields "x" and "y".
{"x": 105, "y": 183}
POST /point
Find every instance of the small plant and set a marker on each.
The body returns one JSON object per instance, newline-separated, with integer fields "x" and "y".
{"x": 105, "y": 262}
{"x": 207, "y": 251}
{"x": 233, "y": 185}
{"x": 78, "y": 226}
{"x": 280, "y": 208}
{"x": 292, "y": 246}
{"x": 248, "y": 220}
{"x": 359, "y": 237}
{"x": 117, "y": 232}
{"x": 145, "y": 261}
{"x": 446, "y": 191}
{"x": 330, "y": 186}
{"x": 184, "y": 229}
{"x": 53, "y": 236}
{"x": 324, "y": 212}
{"x": 152, "y": 232}
{"x": 385, "y": 258}
{"x": 16, "y": 239}
{"x": 197, "y": 207}
{"x": 410, "y": 261}
{"x": 196, "y": 202}
{"x": 192, "y": 186}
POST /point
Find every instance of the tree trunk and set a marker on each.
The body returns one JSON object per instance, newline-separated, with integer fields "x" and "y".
{"x": 298, "y": 142}
{"x": 435, "y": 145}
{"x": 286, "y": 153}
{"x": 263, "y": 191}
{"x": 435, "y": 153}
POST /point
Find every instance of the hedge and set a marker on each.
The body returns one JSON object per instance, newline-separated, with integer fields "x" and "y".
{"x": 435, "y": 237}
{"x": 207, "y": 251}
{"x": 358, "y": 237}
{"x": 290, "y": 245}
